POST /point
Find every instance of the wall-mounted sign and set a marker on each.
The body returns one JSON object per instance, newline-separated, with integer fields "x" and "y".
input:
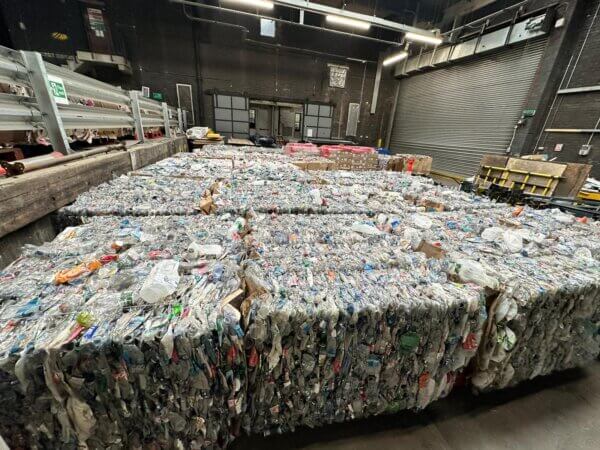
{"x": 96, "y": 19}
{"x": 337, "y": 76}
{"x": 57, "y": 87}
{"x": 267, "y": 28}
{"x": 558, "y": 147}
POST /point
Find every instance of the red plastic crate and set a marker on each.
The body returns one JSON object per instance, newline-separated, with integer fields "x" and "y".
{"x": 294, "y": 147}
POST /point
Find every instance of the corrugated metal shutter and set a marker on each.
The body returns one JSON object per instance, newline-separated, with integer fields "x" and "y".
{"x": 459, "y": 113}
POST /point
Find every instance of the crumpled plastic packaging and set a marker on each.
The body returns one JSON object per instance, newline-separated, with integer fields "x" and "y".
{"x": 242, "y": 152}
{"x": 375, "y": 296}
{"x": 341, "y": 323}
{"x": 189, "y": 165}
{"x": 287, "y": 197}
{"x": 140, "y": 196}
{"x": 91, "y": 364}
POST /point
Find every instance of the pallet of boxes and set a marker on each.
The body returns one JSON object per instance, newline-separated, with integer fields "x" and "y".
{"x": 415, "y": 164}
{"x": 355, "y": 158}
{"x": 308, "y": 157}
{"x": 334, "y": 157}
{"x": 355, "y": 161}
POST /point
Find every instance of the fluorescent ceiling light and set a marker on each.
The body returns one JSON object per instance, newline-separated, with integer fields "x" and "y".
{"x": 263, "y": 4}
{"x": 422, "y": 38}
{"x": 394, "y": 58}
{"x": 339, "y": 20}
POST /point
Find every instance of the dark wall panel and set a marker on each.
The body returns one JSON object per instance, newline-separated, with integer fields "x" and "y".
{"x": 578, "y": 111}
{"x": 31, "y": 23}
{"x": 166, "y": 48}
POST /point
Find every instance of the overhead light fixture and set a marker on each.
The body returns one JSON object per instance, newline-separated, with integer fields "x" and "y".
{"x": 263, "y": 4}
{"x": 422, "y": 38}
{"x": 339, "y": 20}
{"x": 394, "y": 58}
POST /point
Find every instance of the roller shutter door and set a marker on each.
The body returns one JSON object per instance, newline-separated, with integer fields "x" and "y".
{"x": 459, "y": 113}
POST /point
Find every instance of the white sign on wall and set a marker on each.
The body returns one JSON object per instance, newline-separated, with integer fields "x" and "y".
{"x": 267, "y": 28}
{"x": 337, "y": 76}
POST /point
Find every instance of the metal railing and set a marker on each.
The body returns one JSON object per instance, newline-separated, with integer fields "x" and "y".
{"x": 33, "y": 103}
{"x": 18, "y": 106}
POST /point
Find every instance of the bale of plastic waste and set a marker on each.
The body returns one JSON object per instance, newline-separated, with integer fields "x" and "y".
{"x": 189, "y": 165}
{"x": 539, "y": 270}
{"x": 331, "y": 340}
{"x": 121, "y": 333}
{"x": 237, "y": 196}
{"x": 367, "y": 293}
{"x": 140, "y": 196}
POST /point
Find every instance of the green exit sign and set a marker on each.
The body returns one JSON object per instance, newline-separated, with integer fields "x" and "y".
{"x": 58, "y": 90}
{"x": 529, "y": 112}
{"x": 157, "y": 96}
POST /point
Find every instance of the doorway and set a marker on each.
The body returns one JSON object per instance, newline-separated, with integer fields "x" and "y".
{"x": 276, "y": 119}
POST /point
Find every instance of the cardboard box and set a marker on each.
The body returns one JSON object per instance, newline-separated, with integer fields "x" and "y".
{"x": 356, "y": 161}
{"x": 417, "y": 164}
{"x": 430, "y": 250}
{"x": 432, "y": 205}
{"x": 314, "y": 165}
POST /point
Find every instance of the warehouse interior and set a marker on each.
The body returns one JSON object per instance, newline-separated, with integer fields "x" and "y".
{"x": 317, "y": 224}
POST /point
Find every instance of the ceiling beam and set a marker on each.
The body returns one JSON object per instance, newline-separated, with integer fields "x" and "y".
{"x": 373, "y": 20}
{"x": 465, "y": 7}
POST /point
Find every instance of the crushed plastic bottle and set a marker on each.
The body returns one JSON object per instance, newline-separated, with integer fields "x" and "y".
{"x": 161, "y": 282}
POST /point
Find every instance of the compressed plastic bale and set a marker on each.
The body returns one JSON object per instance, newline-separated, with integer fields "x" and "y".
{"x": 329, "y": 329}
{"x": 92, "y": 364}
{"x": 245, "y": 152}
{"x": 383, "y": 180}
{"x": 335, "y": 348}
{"x": 546, "y": 319}
{"x": 264, "y": 196}
{"x": 336, "y": 332}
{"x": 500, "y": 270}
{"x": 420, "y": 192}
{"x": 141, "y": 196}
{"x": 546, "y": 294}
{"x": 189, "y": 165}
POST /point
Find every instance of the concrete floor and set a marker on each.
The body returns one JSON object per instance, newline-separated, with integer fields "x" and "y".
{"x": 561, "y": 411}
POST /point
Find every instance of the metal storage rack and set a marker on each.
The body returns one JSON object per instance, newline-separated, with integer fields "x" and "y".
{"x": 30, "y": 105}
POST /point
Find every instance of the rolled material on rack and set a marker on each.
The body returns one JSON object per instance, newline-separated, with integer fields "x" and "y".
{"x": 31, "y": 164}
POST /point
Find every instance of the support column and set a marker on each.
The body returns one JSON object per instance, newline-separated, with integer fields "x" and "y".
{"x": 137, "y": 115}
{"x": 165, "y": 111}
{"x": 46, "y": 102}
{"x": 180, "y": 120}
